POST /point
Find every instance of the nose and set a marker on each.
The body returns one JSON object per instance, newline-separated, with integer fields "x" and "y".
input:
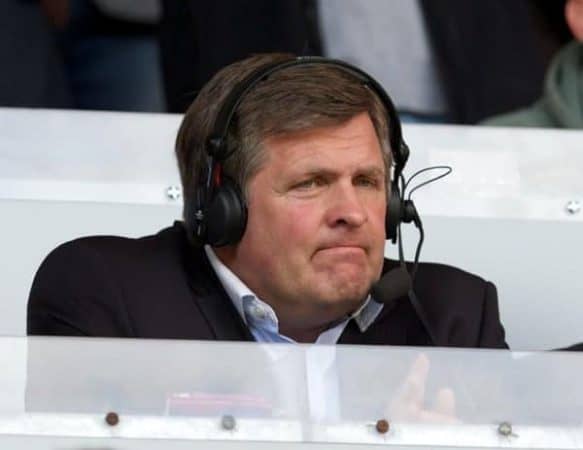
{"x": 346, "y": 207}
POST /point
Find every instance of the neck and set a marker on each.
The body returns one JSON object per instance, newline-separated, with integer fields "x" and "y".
{"x": 303, "y": 336}
{"x": 306, "y": 327}
{"x": 307, "y": 335}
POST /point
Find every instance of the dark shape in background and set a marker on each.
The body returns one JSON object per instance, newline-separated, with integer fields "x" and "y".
{"x": 198, "y": 38}
{"x": 32, "y": 73}
{"x": 490, "y": 58}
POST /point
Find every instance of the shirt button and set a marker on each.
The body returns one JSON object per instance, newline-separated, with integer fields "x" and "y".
{"x": 257, "y": 312}
{"x": 260, "y": 313}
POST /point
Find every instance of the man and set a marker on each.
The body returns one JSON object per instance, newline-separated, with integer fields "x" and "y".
{"x": 306, "y": 167}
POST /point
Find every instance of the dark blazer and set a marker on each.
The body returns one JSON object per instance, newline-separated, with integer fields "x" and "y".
{"x": 161, "y": 287}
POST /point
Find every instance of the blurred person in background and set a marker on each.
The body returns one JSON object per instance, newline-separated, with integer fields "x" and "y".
{"x": 449, "y": 61}
{"x": 87, "y": 54}
{"x": 391, "y": 41}
{"x": 110, "y": 51}
{"x": 561, "y": 103}
{"x": 32, "y": 71}
{"x": 441, "y": 60}
{"x": 198, "y": 38}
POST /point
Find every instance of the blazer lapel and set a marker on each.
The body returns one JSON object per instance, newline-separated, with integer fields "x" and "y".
{"x": 223, "y": 318}
{"x": 215, "y": 305}
{"x": 389, "y": 328}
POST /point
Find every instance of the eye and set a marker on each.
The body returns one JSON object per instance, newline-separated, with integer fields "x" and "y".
{"x": 309, "y": 183}
{"x": 368, "y": 181}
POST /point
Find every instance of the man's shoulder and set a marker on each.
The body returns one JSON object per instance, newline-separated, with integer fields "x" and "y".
{"x": 116, "y": 286}
{"x": 461, "y": 307}
{"x": 436, "y": 273}
{"x": 441, "y": 286}
{"x": 118, "y": 251}
{"x": 440, "y": 276}
{"x": 137, "y": 266}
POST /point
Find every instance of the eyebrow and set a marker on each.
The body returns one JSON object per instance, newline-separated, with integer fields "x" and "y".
{"x": 368, "y": 170}
{"x": 372, "y": 171}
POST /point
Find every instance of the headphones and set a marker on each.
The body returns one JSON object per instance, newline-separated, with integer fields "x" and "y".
{"x": 217, "y": 213}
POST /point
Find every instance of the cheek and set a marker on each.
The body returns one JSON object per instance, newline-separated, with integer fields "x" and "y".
{"x": 298, "y": 225}
{"x": 302, "y": 218}
{"x": 379, "y": 231}
{"x": 378, "y": 215}
{"x": 283, "y": 225}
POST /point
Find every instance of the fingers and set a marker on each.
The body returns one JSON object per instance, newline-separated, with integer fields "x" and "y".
{"x": 409, "y": 404}
{"x": 443, "y": 411}
{"x": 410, "y": 398}
{"x": 445, "y": 402}
{"x": 414, "y": 387}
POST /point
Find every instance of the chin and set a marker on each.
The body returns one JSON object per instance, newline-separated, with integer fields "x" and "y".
{"x": 348, "y": 294}
{"x": 348, "y": 287}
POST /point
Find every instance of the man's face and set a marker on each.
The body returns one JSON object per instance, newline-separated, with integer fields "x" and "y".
{"x": 315, "y": 235}
{"x": 574, "y": 17}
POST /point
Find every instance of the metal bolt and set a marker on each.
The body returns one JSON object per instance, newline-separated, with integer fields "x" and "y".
{"x": 228, "y": 422}
{"x": 382, "y": 426}
{"x": 505, "y": 429}
{"x": 573, "y": 207}
{"x": 173, "y": 192}
{"x": 112, "y": 419}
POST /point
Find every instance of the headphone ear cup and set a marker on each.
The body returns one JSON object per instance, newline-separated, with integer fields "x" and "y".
{"x": 394, "y": 213}
{"x": 226, "y": 215}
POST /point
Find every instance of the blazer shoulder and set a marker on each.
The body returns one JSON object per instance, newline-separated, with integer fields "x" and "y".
{"x": 162, "y": 251}
{"x": 162, "y": 243}
{"x": 83, "y": 286}
{"x": 430, "y": 274}
{"x": 73, "y": 282}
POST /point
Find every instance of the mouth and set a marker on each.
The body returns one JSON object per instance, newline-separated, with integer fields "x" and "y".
{"x": 341, "y": 262}
{"x": 344, "y": 250}
{"x": 341, "y": 244}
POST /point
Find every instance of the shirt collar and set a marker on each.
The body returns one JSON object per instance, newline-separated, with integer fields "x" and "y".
{"x": 244, "y": 299}
{"x": 235, "y": 288}
{"x": 367, "y": 313}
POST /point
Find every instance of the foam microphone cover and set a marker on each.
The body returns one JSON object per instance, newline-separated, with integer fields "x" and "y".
{"x": 393, "y": 285}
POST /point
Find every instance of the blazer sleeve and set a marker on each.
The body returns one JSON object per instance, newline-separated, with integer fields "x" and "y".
{"x": 74, "y": 293}
{"x": 492, "y": 334}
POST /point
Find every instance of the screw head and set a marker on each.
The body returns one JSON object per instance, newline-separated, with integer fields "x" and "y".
{"x": 228, "y": 422}
{"x": 505, "y": 429}
{"x": 173, "y": 192}
{"x": 112, "y": 419}
{"x": 573, "y": 207}
{"x": 382, "y": 426}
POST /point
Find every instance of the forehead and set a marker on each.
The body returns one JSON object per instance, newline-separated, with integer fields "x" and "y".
{"x": 354, "y": 141}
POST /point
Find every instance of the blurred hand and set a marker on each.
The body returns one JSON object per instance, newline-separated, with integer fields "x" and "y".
{"x": 409, "y": 403}
{"x": 57, "y": 12}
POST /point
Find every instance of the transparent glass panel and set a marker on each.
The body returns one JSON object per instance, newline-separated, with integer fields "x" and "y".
{"x": 103, "y": 392}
